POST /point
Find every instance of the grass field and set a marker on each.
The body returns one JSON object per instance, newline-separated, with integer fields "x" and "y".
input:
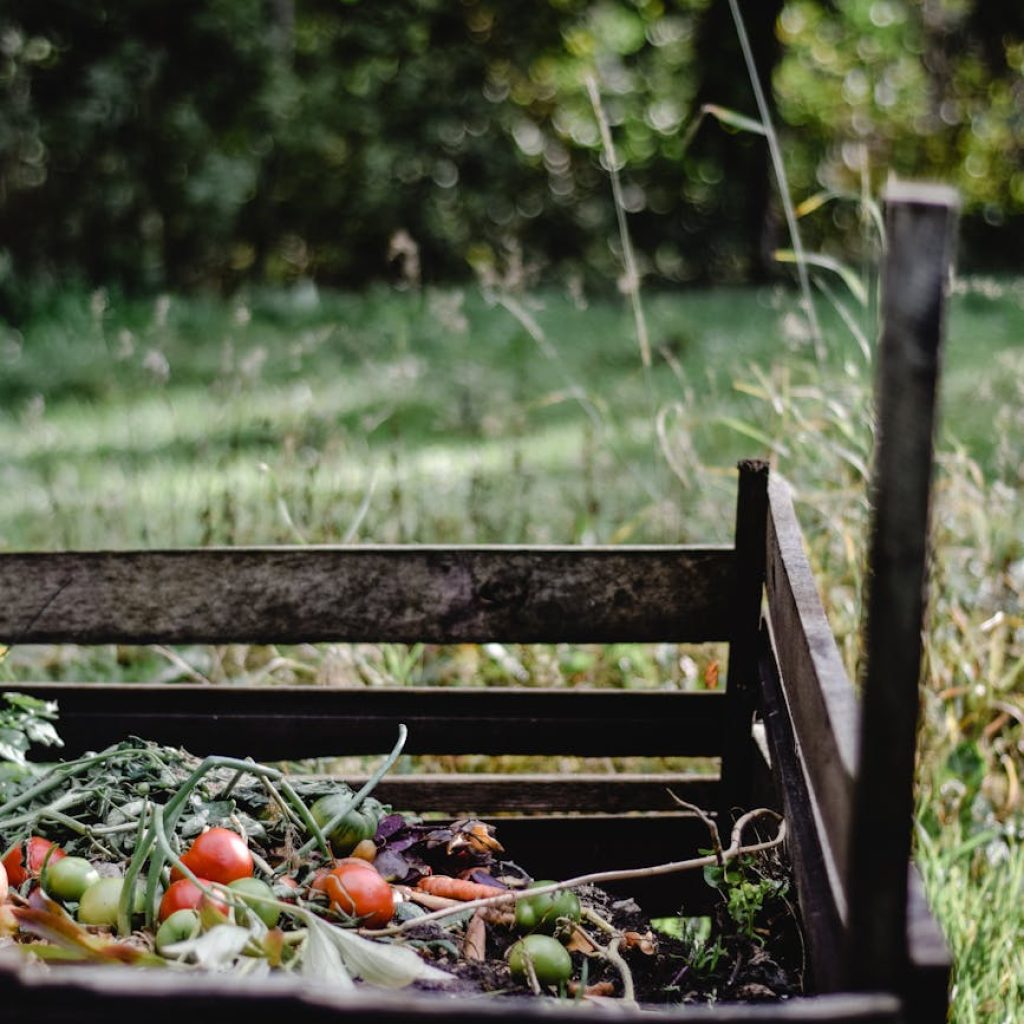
{"x": 453, "y": 416}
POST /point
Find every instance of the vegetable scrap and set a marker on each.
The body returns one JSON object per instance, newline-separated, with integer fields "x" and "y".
{"x": 145, "y": 855}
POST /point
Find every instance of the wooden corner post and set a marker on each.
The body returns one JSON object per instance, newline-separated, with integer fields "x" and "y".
{"x": 742, "y": 680}
{"x": 920, "y": 224}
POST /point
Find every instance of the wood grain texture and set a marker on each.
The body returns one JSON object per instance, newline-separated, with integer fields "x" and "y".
{"x": 101, "y": 995}
{"x": 286, "y": 723}
{"x": 819, "y": 890}
{"x": 818, "y": 692}
{"x": 920, "y": 226}
{"x": 400, "y": 594}
{"x": 486, "y": 795}
{"x": 748, "y": 595}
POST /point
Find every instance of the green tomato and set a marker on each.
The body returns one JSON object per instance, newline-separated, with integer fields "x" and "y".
{"x": 69, "y": 877}
{"x": 181, "y": 925}
{"x": 353, "y": 828}
{"x": 253, "y": 892}
{"x": 548, "y": 912}
{"x": 98, "y": 904}
{"x": 551, "y": 962}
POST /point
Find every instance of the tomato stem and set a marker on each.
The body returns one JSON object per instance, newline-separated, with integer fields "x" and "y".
{"x": 356, "y": 800}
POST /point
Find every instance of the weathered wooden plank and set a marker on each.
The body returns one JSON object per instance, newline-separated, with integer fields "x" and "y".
{"x": 487, "y": 794}
{"x": 818, "y": 692}
{"x": 921, "y": 227}
{"x": 400, "y": 594}
{"x": 818, "y": 889}
{"x": 288, "y": 723}
{"x": 748, "y": 594}
{"x": 99, "y": 995}
{"x": 559, "y": 846}
{"x": 931, "y": 964}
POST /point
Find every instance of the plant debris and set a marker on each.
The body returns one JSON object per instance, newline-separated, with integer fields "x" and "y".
{"x": 134, "y": 810}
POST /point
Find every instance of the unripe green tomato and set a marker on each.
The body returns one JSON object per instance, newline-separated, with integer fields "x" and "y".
{"x": 247, "y": 888}
{"x": 67, "y": 879}
{"x": 548, "y": 912}
{"x": 99, "y": 902}
{"x": 181, "y": 925}
{"x": 356, "y": 826}
{"x": 551, "y": 962}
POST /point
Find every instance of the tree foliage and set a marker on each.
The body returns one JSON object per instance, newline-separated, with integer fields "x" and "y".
{"x": 156, "y": 143}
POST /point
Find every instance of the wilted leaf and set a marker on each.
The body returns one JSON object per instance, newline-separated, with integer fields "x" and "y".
{"x": 214, "y": 949}
{"x": 383, "y": 964}
{"x": 321, "y": 958}
{"x": 54, "y": 925}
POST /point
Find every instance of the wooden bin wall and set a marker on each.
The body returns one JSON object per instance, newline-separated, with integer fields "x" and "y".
{"x": 590, "y": 822}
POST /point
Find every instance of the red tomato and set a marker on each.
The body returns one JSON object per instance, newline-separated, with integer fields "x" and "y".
{"x": 186, "y": 895}
{"x": 358, "y": 891}
{"x": 220, "y": 855}
{"x": 37, "y": 848}
{"x": 319, "y": 879}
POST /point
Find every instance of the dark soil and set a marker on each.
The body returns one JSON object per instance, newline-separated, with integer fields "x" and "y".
{"x": 759, "y": 963}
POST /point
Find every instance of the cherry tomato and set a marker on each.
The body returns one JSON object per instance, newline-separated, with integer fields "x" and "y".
{"x": 254, "y": 893}
{"x": 69, "y": 877}
{"x": 181, "y": 925}
{"x": 99, "y": 902}
{"x": 219, "y": 855}
{"x": 37, "y": 847}
{"x": 319, "y": 880}
{"x": 184, "y": 894}
{"x": 365, "y": 849}
{"x": 360, "y": 892}
{"x": 551, "y": 963}
{"x": 549, "y": 914}
{"x": 357, "y": 824}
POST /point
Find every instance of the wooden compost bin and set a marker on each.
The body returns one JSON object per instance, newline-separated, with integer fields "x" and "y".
{"x": 840, "y": 772}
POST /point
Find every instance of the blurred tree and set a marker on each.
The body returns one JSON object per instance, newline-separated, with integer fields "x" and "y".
{"x": 176, "y": 143}
{"x": 743, "y": 202}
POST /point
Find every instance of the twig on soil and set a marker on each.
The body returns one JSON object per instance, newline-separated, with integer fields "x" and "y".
{"x": 716, "y": 837}
{"x": 595, "y": 918}
{"x": 474, "y": 945}
{"x": 611, "y": 952}
{"x": 600, "y": 877}
{"x": 614, "y": 957}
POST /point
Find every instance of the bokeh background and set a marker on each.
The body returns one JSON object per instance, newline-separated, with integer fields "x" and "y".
{"x": 154, "y": 144}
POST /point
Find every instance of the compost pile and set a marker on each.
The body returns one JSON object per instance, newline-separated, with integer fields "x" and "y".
{"x": 145, "y": 855}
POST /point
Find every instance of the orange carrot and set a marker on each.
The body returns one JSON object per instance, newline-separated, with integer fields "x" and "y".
{"x": 457, "y": 888}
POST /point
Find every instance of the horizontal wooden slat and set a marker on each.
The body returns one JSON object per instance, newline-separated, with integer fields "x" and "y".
{"x": 487, "y": 794}
{"x": 288, "y": 723}
{"x": 818, "y": 692}
{"x": 100, "y": 995}
{"x": 399, "y": 594}
{"x": 559, "y": 847}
